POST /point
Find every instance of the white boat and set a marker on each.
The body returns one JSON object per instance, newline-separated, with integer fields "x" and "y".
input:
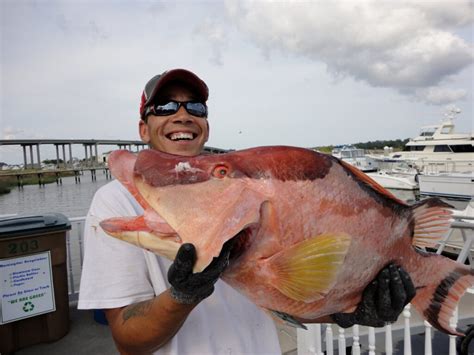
{"x": 356, "y": 157}
{"x": 392, "y": 180}
{"x": 455, "y": 185}
{"x": 438, "y": 148}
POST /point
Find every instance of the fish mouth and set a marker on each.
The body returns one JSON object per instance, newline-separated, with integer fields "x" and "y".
{"x": 240, "y": 243}
{"x": 235, "y": 247}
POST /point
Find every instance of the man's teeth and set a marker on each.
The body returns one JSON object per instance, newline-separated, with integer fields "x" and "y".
{"x": 181, "y": 135}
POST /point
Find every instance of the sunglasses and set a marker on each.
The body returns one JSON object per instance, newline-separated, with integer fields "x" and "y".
{"x": 194, "y": 108}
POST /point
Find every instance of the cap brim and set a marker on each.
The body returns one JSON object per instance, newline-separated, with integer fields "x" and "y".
{"x": 198, "y": 86}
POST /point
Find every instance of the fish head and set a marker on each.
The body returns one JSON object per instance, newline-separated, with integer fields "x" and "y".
{"x": 206, "y": 199}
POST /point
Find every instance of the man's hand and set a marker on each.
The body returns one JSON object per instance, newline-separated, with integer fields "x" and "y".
{"x": 382, "y": 301}
{"x": 188, "y": 287}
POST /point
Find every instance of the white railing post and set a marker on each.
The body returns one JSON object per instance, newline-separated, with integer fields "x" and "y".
{"x": 428, "y": 348}
{"x": 371, "y": 341}
{"x": 72, "y": 289}
{"x": 356, "y": 340}
{"x": 407, "y": 335}
{"x": 341, "y": 343}
{"x": 452, "y": 338}
{"x": 388, "y": 340}
{"x": 329, "y": 344}
{"x": 318, "y": 342}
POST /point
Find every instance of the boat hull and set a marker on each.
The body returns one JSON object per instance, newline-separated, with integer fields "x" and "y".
{"x": 459, "y": 185}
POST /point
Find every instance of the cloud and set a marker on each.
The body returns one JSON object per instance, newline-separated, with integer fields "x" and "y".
{"x": 11, "y": 133}
{"x": 216, "y": 35}
{"x": 440, "y": 96}
{"x": 403, "y": 45}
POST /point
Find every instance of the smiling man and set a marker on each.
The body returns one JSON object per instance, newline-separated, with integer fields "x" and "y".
{"x": 153, "y": 305}
{"x": 150, "y": 303}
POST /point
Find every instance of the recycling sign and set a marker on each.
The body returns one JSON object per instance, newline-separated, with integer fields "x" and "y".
{"x": 26, "y": 287}
{"x": 28, "y": 306}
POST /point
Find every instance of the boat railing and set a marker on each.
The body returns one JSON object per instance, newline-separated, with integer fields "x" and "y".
{"x": 431, "y": 166}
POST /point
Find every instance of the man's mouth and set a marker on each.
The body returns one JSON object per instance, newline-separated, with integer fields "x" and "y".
{"x": 181, "y": 136}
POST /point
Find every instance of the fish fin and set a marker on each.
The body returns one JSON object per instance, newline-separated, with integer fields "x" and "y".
{"x": 286, "y": 319}
{"x": 371, "y": 182}
{"x": 120, "y": 224}
{"x": 134, "y": 230}
{"x": 438, "y": 300}
{"x": 307, "y": 271}
{"x": 432, "y": 221}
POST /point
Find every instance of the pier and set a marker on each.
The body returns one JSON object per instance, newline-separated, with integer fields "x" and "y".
{"x": 64, "y": 164}
{"x": 58, "y": 174}
{"x": 90, "y": 149}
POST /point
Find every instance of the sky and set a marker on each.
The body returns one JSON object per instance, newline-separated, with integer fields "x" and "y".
{"x": 301, "y": 73}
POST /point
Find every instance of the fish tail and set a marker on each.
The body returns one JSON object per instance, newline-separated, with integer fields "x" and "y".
{"x": 438, "y": 299}
{"x": 431, "y": 219}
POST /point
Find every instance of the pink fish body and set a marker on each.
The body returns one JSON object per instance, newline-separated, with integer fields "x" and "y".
{"x": 309, "y": 232}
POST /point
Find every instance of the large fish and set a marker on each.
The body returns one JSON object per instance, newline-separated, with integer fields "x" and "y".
{"x": 309, "y": 232}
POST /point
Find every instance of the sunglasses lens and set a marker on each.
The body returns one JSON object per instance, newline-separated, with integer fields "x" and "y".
{"x": 166, "y": 109}
{"x": 196, "y": 109}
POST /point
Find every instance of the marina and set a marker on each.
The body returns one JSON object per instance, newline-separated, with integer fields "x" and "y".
{"x": 385, "y": 87}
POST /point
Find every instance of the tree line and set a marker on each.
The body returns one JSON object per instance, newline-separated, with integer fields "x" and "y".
{"x": 396, "y": 144}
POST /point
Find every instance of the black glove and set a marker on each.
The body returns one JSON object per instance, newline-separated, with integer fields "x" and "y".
{"x": 188, "y": 287}
{"x": 382, "y": 301}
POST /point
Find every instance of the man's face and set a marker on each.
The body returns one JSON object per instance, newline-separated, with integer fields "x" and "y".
{"x": 170, "y": 134}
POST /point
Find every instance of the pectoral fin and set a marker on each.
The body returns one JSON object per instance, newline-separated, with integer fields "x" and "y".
{"x": 286, "y": 319}
{"x": 308, "y": 270}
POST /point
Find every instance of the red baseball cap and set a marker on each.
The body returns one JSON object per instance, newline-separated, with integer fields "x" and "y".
{"x": 156, "y": 83}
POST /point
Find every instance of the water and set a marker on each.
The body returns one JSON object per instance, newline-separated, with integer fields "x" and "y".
{"x": 70, "y": 199}
{"x": 73, "y": 199}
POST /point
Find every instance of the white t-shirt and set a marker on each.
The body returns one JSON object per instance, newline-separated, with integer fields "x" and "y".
{"x": 116, "y": 274}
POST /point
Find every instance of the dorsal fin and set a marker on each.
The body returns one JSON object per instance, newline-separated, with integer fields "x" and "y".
{"x": 370, "y": 182}
{"x": 432, "y": 221}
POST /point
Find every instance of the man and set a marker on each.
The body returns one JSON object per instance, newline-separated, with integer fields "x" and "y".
{"x": 152, "y": 304}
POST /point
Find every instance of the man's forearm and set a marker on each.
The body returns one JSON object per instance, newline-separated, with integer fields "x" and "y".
{"x": 146, "y": 326}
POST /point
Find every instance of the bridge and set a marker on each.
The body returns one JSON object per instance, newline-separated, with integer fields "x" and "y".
{"x": 90, "y": 149}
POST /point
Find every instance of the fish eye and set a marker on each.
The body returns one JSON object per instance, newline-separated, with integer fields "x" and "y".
{"x": 220, "y": 171}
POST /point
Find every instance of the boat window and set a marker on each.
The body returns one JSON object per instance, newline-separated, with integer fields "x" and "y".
{"x": 441, "y": 148}
{"x": 447, "y": 130}
{"x": 411, "y": 148}
{"x": 427, "y": 132}
{"x": 462, "y": 148}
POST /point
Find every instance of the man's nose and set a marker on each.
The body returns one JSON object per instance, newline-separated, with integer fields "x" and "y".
{"x": 182, "y": 116}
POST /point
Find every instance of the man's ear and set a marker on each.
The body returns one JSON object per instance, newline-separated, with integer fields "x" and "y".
{"x": 208, "y": 130}
{"x": 144, "y": 131}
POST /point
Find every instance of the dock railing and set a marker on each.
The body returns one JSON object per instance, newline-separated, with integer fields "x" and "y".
{"x": 329, "y": 339}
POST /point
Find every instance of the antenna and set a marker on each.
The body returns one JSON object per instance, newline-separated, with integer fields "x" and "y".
{"x": 451, "y": 112}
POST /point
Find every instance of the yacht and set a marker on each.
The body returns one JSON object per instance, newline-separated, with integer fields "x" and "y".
{"x": 355, "y": 157}
{"x": 451, "y": 185}
{"x": 438, "y": 149}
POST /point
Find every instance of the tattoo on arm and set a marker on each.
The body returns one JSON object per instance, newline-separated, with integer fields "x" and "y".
{"x": 136, "y": 310}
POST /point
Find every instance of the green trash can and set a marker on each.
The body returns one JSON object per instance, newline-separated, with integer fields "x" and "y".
{"x": 34, "y": 304}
